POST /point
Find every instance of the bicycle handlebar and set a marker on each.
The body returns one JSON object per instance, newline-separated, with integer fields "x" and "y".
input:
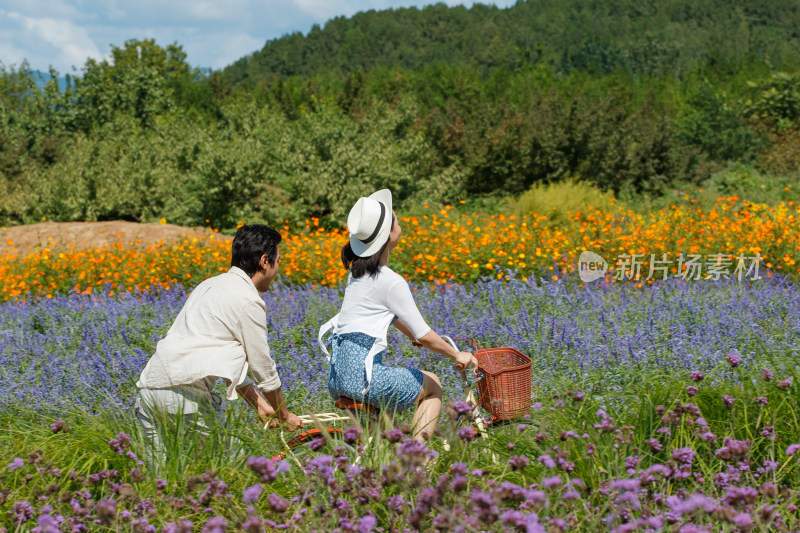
{"x": 463, "y": 373}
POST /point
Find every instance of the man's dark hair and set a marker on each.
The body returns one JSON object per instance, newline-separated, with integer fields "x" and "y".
{"x": 250, "y": 243}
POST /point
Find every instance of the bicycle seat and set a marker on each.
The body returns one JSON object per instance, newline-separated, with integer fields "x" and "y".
{"x": 348, "y": 404}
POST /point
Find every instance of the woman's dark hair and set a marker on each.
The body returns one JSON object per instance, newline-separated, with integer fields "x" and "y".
{"x": 250, "y": 243}
{"x": 358, "y": 266}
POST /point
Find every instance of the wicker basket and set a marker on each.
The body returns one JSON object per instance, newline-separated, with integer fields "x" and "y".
{"x": 505, "y": 390}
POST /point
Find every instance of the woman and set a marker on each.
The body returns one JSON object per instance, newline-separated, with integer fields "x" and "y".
{"x": 375, "y": 298}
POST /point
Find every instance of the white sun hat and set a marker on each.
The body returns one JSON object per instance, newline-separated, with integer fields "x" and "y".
{"x": 370, "y": 222}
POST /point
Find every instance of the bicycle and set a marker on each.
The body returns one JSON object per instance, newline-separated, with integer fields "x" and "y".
{"x": 365, "y": 416}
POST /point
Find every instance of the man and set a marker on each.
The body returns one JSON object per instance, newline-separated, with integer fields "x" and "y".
{"x": 220, "y": 333}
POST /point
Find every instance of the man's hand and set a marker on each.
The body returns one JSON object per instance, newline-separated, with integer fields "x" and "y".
{"x": 464, "y": 360}
{"x": 292, "y": 422}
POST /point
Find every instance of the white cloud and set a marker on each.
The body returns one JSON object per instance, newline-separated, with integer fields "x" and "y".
{"x": 72, "y": 44}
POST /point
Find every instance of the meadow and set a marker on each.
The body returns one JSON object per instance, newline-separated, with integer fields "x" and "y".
{"x": 658, "y": 404}
{"x": 667, "y": 407}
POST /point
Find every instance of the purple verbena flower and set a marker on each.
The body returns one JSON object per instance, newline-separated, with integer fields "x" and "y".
{"x": 467, "y": 434}
{"x": 278, "y": 504}
{"x": 550, "y": 482}
{"x": 216, "y": 524}
{"x": 733, "y": 360}
{"x": 518, "y": 462}
{"x": 728, "y": 401}
{"x": 546, "y": 460}
{"x": 252, "y": 493}
{"x": 351, "y": 434}
{"x": 23, "y": 511}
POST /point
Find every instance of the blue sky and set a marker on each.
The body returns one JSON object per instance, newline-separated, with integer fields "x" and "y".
{"x": 213, "y": 33}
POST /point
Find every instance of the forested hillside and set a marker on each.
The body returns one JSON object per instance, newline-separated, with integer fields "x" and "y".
{"x": 643, "y": 37}
{"x": 642, "y": 100}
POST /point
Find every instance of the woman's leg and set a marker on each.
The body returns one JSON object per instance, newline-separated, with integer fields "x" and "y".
{"x": 430, "y": 404}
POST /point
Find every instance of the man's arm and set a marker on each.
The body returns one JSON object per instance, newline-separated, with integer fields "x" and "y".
{"x": 262, "y": 367}
{"x": 257, "y": 401}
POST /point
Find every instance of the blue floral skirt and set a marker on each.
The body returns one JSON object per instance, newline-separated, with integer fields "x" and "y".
{"x": 391, "y": 388}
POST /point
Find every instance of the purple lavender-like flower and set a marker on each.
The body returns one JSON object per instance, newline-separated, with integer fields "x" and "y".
{"x": 16, "y": 463}
{"x": 521, "y": 427}
{"x": 740, "y": 496}
{"x": 767, "y": 374}
{"x": 518, "y": 462}
{"x": 395, "y": 503}
{"x": 728, "y": 401}
{"x": 550, "y": 482}
{"x": 792, "y": 449}
{"x": 58, "y": 426}
{"x": 459, "y": 483}
{"x": 23, "y": 511}
{"x": 631, "y": 462}
{"x": 697, "y": 376}
{"x": 762, "y": 400}
{"x": 263, "y": 467}
{"x": 47, "y": 524}
{"x": 655, "y": 445}
{"x": 278, "y": 504}
{"x": 106, "y": 511}
{"x": 351, "y": 434}
{"x": 743, "y": 521}
{"x": 184, "y": 526}
{"x": 547, "y": 461}
{"x": 733, "y": 360}
{"x": 252, "y": 493}
{"x": 625, "y": 484}
{"x": 733, "y": 450}
{"x": 462, "y": 408}
{"x": 691, "y": 504}
{"x": 413, "y": 452}
{"x": 708, "y": 436}
{"x": 784, "y": 383}
{"x": 683, "y": 455}
{"x": 120, "y": 443}
{"x": 142, "y": 525}
{"x": 367, "y": 523}
{"x": 394, "y": 435}
{"x": 467, "y": 434}
{"x": 216, "y": 524}
{"x": 692, "y": 391}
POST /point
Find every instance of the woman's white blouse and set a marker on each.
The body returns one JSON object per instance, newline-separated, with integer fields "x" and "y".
{"x": 370, "y": 305}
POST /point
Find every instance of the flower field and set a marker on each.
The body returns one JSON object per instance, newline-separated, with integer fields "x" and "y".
{"x": 439, "y": 246}
{"x": 658, "y": 404}
{"x": 671, "y": 407}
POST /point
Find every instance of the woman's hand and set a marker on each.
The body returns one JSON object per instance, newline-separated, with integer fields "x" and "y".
{"x": 464, "y": 360}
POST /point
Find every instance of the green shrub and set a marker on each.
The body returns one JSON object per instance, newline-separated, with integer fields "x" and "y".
{"x": 558, "y": 200}
{"x": 717, "y": 126}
